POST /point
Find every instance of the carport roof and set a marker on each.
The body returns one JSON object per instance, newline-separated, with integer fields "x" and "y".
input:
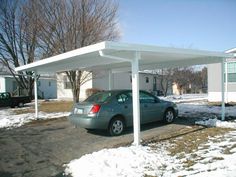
{"x": 118, "y": 56}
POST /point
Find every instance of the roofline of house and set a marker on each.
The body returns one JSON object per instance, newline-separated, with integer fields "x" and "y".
{"x": 233, "y": 50}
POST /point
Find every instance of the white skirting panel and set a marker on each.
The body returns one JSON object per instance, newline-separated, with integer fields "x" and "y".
{"x": 216, "y": 97}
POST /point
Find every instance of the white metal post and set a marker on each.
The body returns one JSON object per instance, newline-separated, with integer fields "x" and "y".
{"x": 110, "y": 80}
{"x": 226, "y": 81}
{"x": 36, "y": 95}
{"x": 222, "y": 92}
{"x": 136, "y": 102}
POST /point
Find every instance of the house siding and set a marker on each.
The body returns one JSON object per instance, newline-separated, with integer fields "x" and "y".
{"x": 122, "y": 81}
{"x": 66, "y": 94}
{"x": 101, "y": 81}
{"x": 9, "y": 84}
{"x": 2, "y": 84}
{"x": 214, "y": 85}
{"x": 48, "y": 87}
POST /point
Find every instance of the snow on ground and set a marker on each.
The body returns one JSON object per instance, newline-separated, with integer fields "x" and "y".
{"x": 138, "y": 161}
{"x": 185, "y": 97}
{"x": 216, "y": 123}
{"x": 212, "y": 161}
{"x": 156, "y": 160}
{"x": 144, "y": 160}
{"x": 124, "y": 161}
{"x": 186, "y": 109}
{"x": 10, "y": 120}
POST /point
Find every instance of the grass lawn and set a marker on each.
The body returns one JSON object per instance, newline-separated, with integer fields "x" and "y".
{"x": 188, "y": 144}
{"x": 48, "y": 107}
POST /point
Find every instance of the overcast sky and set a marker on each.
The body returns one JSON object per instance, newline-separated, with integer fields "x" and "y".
{"x": 196, "y": 24}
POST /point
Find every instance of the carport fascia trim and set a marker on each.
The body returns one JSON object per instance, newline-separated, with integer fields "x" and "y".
{"x": 56, "y": 58}
{"x": 119, "y": 46}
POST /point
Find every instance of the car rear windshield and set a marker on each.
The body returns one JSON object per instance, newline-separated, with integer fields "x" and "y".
{"x": 100, "y": 97}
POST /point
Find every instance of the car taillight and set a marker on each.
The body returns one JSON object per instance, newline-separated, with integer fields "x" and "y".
{"x": 95, "y": 109}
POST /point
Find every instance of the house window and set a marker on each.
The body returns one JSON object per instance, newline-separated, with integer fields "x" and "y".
{"x": 147, "y": 79}
{"x": 67, "y": 84}
{"x": 231, "y": 77}
{"x": 231, "y": 71}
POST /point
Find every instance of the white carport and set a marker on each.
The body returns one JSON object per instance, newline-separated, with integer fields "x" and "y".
{"x": 115, "y": 56}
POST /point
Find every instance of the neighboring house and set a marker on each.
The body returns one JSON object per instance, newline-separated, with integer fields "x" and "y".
{"x": 214, "y": 80}
{"x": 147, "y": 81}
{"x": 7, "y": 83}
{"x": 47, "y": 87}
{"x": 64, "y": 91}
{"x": 189, "y": 89}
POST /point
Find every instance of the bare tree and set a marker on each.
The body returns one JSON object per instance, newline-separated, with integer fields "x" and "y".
{"x": 199, "y": 81}
{"x": 183, "y": 78}
{"x": 165, "y": 77}
{"x": 18, "y": 40}
{"x": 68, "y": 25}
{"x": 190, "y": 80}
{"x": 204, "y": 79}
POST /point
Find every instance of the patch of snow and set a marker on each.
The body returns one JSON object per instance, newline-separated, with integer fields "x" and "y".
{"x": 187, "y": 109}
{"x": 185, "y": 98}
{"x": 10, "y": 120}
{"x": 213, "y": 162}
{"x": 120, "y": 162}
{"x": 216, "y": 123}
{"x": 156, "y": 161}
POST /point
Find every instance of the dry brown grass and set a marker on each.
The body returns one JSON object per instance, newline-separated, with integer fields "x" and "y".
{"x": 219, "y": 104}
{"x": 227, "y": 150}
{"x": 49, "y": 107}
{"x": 56, "y": 106}
{"x": 187, "y": 143}
{"x": 46, "y": 122}
{"x": 190, "y": 142}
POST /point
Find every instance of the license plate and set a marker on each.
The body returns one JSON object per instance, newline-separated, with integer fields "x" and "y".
{"x": 79, "y": 111}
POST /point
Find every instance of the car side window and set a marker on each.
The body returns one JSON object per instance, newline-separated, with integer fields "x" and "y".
{"x": 147, "y": 98}
{"x": 122, "y": 98}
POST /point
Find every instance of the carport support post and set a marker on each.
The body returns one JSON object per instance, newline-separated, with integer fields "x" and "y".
{"x": 135, "y": 94}
{"x": 222, "y": 91}
{"x": 226, "y": 81}
{"x": 36, "y": 95}
{"x": 110, "y": 80}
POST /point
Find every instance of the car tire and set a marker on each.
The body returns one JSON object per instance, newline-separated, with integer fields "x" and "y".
{"x": 116, "y": 126}
{"x": 169, "y": 116}
{"x": 20, "y": 105}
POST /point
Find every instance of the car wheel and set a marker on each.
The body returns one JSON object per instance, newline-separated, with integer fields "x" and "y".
{"x": 20, "y": 105}
{"x": 116, "y": 126}
{"x": 169, "y": 116}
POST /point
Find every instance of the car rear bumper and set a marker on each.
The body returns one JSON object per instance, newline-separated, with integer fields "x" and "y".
{"x": 88, "y": 122}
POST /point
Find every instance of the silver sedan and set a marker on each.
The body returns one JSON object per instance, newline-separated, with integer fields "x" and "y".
{"x": 112, "y": 110}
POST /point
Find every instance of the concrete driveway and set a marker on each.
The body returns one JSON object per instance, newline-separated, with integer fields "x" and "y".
{"x": 40, "y": 149}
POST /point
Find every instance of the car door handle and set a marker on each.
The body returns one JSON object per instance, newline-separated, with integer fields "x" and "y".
{"x": 126, "y": 106}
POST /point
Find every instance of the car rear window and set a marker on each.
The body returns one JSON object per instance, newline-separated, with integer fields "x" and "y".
{"x": 100, "y": 97}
